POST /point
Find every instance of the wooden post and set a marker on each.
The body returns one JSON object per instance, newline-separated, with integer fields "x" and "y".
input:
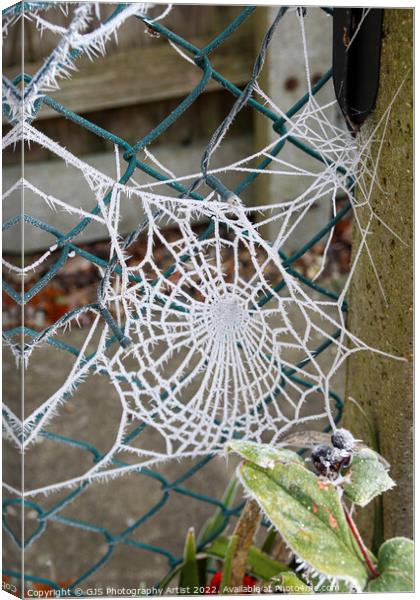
{"x": 383, "y": 386}
{"x": 283, "y": 79}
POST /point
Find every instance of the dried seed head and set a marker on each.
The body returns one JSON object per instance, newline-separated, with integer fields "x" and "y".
{"x": 343, "y": 440}
{"x": 322, "y": 458}
{"x": 328, "y": 461}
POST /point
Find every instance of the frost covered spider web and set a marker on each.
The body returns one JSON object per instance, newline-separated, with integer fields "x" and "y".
{"x": 202, "y": 350}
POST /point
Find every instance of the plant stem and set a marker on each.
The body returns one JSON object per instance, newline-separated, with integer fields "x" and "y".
{"x": 244, "y": 532}
{"x": 360, "y": 542}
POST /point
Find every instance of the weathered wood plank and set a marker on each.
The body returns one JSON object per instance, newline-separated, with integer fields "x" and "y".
{"x": 186, "y": 20}
{"x": 283, "y": 78}
{"x": 148, "y": 74}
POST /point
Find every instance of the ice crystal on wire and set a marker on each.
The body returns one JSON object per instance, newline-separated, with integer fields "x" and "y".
{"x": 60, "y": 63}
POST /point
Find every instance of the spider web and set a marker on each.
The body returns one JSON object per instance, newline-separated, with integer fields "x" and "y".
{"x": 201, "y": 350}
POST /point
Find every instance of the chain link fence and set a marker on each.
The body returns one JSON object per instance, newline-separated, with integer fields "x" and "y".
{"x": 22, "y": 338}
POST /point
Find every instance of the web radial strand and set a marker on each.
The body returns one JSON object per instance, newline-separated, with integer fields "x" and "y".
{"x": 206, "y": 356}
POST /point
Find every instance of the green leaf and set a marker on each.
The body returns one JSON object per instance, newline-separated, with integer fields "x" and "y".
{"x": 369, "y": 478}
{"x": 189, "y": 578}
{"x": 261, "y": 565}
{"x": 309, "y": 515}
{"x": 217, "y": 520}
{"x": 289, "y": 583}
{"x": 395, "y": 567}
{"x": 215, "y": 524}
{"x": 269, "y": 541}
{"x": 164, "y": 583}
{"x": 228, "y": 565}
{"x": 263, "y": 455}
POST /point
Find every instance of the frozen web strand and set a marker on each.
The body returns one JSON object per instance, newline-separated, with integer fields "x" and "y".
{"x": 215, "y": 352}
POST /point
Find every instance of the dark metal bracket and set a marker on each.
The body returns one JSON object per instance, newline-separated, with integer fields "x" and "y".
{"x": 357, "y": 35}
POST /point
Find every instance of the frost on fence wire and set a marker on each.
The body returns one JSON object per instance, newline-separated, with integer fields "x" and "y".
{"x": 202, "y": 350}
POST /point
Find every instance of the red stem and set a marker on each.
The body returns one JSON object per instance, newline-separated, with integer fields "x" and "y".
{"x": 360, "y": 542}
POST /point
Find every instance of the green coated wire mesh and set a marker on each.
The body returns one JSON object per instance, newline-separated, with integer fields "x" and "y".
{"x": 330, "y": 145}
